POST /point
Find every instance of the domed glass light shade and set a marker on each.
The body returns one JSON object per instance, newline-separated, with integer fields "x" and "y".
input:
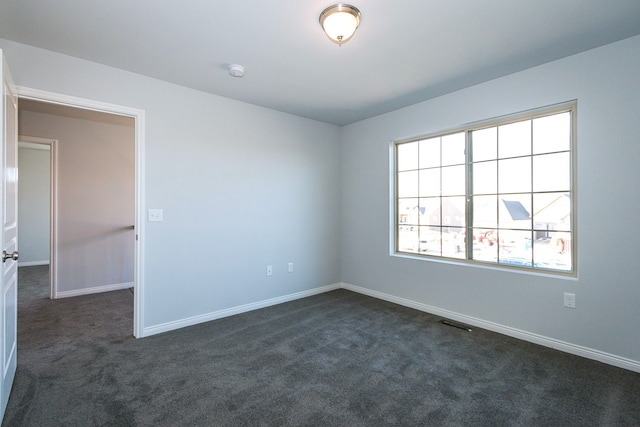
{"x": 340, "y": 22}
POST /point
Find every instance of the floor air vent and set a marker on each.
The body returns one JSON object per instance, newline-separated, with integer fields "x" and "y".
{"x": 456, "y": 324}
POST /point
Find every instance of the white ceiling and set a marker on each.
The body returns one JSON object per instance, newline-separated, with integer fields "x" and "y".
{"x": 404, "y": 52}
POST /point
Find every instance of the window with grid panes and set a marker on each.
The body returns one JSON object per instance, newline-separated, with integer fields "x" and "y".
{"x": 499, "y": 192}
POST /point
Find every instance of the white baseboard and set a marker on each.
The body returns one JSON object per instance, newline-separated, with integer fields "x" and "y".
{"x": 190, "y": 321}
{"x": 94, "y": 290}
{"x": 589, "y": 353}
{"x": 32, "y": 263}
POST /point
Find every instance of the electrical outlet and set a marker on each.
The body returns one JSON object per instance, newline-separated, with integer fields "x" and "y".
{"x": 269, "y": 270}
{"x": 569, "y": 300}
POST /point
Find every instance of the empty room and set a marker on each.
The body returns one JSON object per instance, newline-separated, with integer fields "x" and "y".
{"x": 375, "y": 213}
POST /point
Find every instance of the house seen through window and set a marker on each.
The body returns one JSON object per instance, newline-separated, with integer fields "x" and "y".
{"x": 499, "y": 192}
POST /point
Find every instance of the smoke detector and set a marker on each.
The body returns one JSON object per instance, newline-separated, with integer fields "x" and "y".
{"x": 236, "y": 70}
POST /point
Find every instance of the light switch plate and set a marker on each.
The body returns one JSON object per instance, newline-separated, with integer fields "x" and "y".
{"x": 155, "y": 215}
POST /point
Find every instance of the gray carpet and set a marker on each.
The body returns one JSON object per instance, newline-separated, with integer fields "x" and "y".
{"x": 337, "y": 359}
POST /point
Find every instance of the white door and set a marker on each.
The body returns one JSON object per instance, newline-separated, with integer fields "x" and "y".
{"x": 8, "y": 235}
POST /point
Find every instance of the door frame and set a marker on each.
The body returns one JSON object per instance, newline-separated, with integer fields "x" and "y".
{"x": 139, "y": 118}
{"x": 53, "y": 205}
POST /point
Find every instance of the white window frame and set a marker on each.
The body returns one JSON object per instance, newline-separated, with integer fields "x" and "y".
{"x": 570, "y": 107}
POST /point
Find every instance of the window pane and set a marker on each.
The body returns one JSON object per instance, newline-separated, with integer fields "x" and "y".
{"x": 407, "y": 156}
{"x": 431, "y": 240}
{"x": 485, "y": 244}
{"x": 453, "y": 243}
{"x": 514, "y": 211}
{"x": 408, "y": 184}
{"x": 485, "y": 178}
{"x": 514, "y": 175}
{"x": 453, "y": 149}
{"x": 514, "y": 139}
{"x": 552, "y": 133}
{"x": 453, "y": 180}
{"x": 485, "y": 211}
{"x": 408, "y": 212}
{"x": 554, "y": 252}
{"x": 515, "y": 248}
{"x": 429, "y": 182}
{"x": 408, "y": 239}
{"x": 429, "y": 153}
{"x": 552, "y": 172}
{"x": 552, "y": 212}
{"x": 485, "y": 144}
{"x": 453, "y": 211}
{"x": 430, "y": 211}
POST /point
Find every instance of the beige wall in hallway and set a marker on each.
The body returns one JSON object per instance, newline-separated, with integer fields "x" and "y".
{"x": 96, "y": 197}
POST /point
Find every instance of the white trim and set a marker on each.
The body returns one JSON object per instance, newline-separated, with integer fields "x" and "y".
{"x": 95, "y": 290}
{"x": 139, "y": 117}
{"x": 33, "y": 145}
{"x": 486, "y": 266}
{"x": 32, "y": 263}
{"x": 589, "y": 353}
{"x": 74, "y": 101}
{"x": 190, "y": 321}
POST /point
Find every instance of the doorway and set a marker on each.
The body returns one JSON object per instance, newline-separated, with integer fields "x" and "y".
{"x": 36, "y": 207}
{"x": 93, "y": 247}
{"x": 97, "y": 243}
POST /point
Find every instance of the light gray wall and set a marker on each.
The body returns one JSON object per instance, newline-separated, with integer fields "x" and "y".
{"x": 33, "y": 205}
{"x": 605, "y": 82}
{"x": 241, "y": 187}
{"x": 96, "y": 204}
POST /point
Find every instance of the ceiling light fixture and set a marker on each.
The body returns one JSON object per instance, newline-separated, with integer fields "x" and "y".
{"x": 340, "y": 22}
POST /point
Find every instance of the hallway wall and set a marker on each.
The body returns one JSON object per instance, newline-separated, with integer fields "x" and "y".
{"x": 96, "y": 203}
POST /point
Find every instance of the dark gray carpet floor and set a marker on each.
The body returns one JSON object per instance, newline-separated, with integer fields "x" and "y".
{"x": 336, "y": 359}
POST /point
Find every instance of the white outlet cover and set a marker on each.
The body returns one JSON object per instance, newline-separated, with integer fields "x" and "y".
{"x": 156, "y": 215}
{"x": 569, "y": 300}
